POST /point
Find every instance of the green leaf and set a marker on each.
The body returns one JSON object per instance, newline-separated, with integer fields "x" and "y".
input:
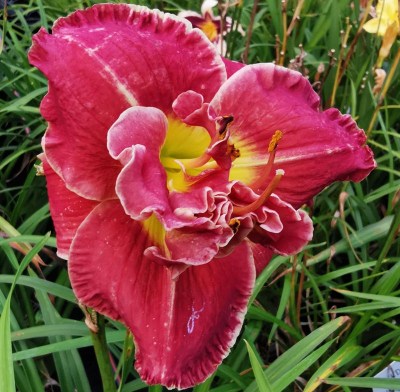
{"x": 365, "y": 382}
{"x": 262, "y": 381}
{"x": 301, "y": 367}
{"x": 363, "y": 236}
{"x": 384, "y": 299}
{"x": 343, "y": 355}
{"x": 36, "y": 283}
{"x": 292, "y": 357}
{"x": 7, "y": 381}
{"x": 69, "y": 344}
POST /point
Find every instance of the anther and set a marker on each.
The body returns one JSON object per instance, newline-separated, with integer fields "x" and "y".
{"x": 223, "y": 125}
{"x": 273, "y": 145}
{"x": 233, "y": 152}
{"x": 276, "y": 137}
{"x": 242, "y": 210}
{"x": 234, "y": 224}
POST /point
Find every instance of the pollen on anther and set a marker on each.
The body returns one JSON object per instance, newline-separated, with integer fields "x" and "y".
{"x": 234, "y": 225}
{"x": 274, "y": 140}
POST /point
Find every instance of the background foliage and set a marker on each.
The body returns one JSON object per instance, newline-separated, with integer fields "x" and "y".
{"x": 323, "y": 320}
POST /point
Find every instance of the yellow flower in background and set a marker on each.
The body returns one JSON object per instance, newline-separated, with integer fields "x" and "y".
{"x": 385, "y": 24}
{"x": 387, "y": 14}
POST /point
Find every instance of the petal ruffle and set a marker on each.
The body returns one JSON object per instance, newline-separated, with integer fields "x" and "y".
{"x": 297, "y": 229}
{"x": 183, "y": 328}
{"x": 138, "y": 125}
{"x": 67, "y": 209}
{"x": 317, "y": 147}
{"x": 141, "y": 185}
{"x": 191, "y": 109}
{"x": 278, "y": 225}
{"x": 99, "y": 63}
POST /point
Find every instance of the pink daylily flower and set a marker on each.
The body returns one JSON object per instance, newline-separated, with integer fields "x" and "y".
{"x": 205, "y": 21}
{"x": 212, "y": 26}
{"x": 170, "y": 184}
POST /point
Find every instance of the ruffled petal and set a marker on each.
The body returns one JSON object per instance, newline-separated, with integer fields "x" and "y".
{"x": 317, "y": 147}
{"x": 99, "y": 63}
{"x": 67, "y": 209}
{"x": 296, "y": 232}
{"x": 190, "y": 246}
{"x": 138, "y": 125}
{"x": 191, "y": 109}
{"x": 141, "y": 185}
{"x": 183, "y": 328}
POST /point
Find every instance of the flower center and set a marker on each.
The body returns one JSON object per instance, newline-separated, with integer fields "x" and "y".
{"x": 183, "y": 145}
{"x": 209, "y": 28}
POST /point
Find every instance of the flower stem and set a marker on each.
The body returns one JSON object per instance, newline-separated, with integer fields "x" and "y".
{"x": 285, "y": 35}
{"x": 250, "y": 31}
{"x": 102, "y": 355}
{"x": 383, "y": 92}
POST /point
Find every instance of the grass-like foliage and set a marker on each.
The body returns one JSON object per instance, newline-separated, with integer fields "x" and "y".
{"x": 324, "y": 320}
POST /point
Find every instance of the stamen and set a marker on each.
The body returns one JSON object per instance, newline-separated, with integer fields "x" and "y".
{"x": 273, "y": 145}
{"x": 233, "y": 152}
{"x": 234, "y": 224}
{"x": 223, "y": 125}
{"x": 197, "y": 162}
{"x": 242, "y": 210}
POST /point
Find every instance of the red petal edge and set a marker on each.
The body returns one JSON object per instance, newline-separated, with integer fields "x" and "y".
{"x": 67, "y": 209}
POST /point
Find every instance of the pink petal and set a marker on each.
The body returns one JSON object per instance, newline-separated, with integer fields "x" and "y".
{"x": 183, "y": 328}
{"x": 278, "y": 225}
{"x": 262, "y": 256}
{"x": 67, "y": 209}
{"x": 317, "y": 147}
{"x": 190, "y": 247}
{"x": 146, "y": 126}
{"x": 141, "y": 185}
{"x": 232, "y": 66}
{"x": 297, "y": 228}
{"x": 103, "y": 60}
{"x": 191, "y": 109}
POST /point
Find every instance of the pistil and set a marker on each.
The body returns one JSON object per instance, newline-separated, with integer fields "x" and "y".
{"x": 242, "y": 210}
